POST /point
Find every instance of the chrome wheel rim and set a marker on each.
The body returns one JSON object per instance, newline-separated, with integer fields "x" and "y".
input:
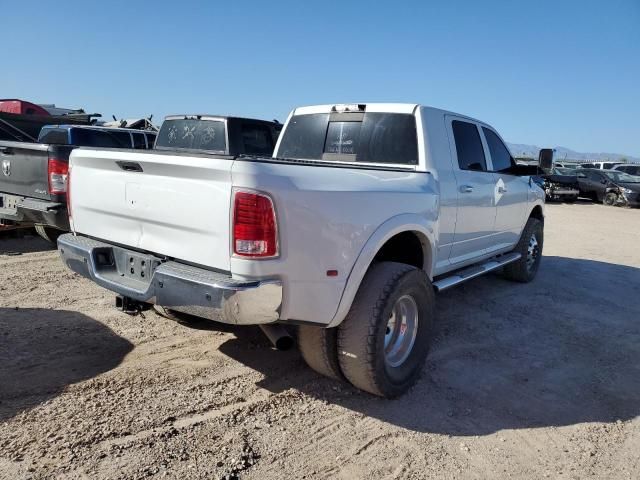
{"x": 402, "y": 328}
{"x": 533, "y": 251}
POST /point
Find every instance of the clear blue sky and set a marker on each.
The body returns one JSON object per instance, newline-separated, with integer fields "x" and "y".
{"x": 542, "y": 72}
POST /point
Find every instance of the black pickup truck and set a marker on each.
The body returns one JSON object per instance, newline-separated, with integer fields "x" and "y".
{"x": 33, "y": 176}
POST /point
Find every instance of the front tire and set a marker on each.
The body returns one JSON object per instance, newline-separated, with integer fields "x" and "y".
{"x": 610, "y": 199}
{"x": 383, "y": 341}
{"x": 530, "y": 248}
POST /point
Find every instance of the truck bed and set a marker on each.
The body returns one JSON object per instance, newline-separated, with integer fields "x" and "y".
{"x": 178, "y": 206}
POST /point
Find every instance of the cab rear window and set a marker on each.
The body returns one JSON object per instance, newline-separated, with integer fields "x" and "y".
{"x": 192, "y": 134}
{"x": 85, "y": 137}
{"x": 389, "y": 138}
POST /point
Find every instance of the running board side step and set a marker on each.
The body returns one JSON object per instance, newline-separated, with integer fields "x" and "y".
{"x": 475, "y": 271}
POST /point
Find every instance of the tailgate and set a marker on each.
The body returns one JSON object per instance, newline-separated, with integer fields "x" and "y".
{"x": 23, "y": 169}
{"x": 171, "y": 205}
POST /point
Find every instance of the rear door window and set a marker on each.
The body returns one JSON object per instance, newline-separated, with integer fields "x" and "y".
{"x": 468, "y": 146}
{"x": 500, "y": 156}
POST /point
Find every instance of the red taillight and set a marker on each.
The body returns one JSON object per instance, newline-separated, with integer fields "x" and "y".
{"x": 69, "y": 194}
{"x": 255, "y": 232}
{"x": 58, "y": 172}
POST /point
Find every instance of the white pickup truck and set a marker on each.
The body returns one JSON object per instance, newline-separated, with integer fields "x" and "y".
{"x": 347, "y": 232}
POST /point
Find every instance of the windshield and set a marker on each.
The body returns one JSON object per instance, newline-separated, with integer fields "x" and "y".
{"x": 192, "y": 134}
{"x": 621, "y": 177}
{"x": 361, "y": 137}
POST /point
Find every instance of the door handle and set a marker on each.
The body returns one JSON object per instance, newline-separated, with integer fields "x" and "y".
{"x": 6, "y": 151}
{"x": 502, "y": 190}
{"x": 466, "y": 189}
{"x": 130, "y": 166}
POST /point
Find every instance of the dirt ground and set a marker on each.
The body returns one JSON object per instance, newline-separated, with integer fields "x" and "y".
{"x": 523, "y": 381}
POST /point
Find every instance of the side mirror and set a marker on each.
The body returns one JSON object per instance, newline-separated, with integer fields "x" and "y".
{"x": 545, "y": 158}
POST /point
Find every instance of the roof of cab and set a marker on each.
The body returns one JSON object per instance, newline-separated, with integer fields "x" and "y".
{"x": 99, "y": 127}
{"x": 203, "y": 116}
{"x": 409, "y": 108}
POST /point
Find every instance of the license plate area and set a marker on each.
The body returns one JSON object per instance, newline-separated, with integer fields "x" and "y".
{"x": 138, "y": 266}
{"x": 9, "y": 203}
{"x": 125, "y": 266}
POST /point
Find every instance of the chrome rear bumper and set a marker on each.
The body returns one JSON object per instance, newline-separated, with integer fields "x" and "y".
{"x": 184, "y": 288}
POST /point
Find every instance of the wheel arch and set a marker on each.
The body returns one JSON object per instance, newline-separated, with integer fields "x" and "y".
{"x": 383, "y": 245}
{"x": 537, "y": 212}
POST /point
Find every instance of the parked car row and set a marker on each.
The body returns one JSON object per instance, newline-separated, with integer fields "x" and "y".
{"x": 612, "y": 187}
{"x": 631, "y": 168}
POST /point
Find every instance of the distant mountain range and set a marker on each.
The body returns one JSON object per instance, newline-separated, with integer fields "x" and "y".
{"x": 562, "y": 153}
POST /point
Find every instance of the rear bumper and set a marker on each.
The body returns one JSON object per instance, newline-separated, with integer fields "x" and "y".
{"x": 32, "y": 211}
{"x": 174, "y": 285}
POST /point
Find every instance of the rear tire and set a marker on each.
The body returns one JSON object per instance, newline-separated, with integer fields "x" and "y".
{"x": 530, "y": 248}
{"x": 384, "y": 340}
{"x": 48, "y": 233}
{"x": 319, "y": 348}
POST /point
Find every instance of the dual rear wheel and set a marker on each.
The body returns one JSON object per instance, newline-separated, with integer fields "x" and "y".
{"x": 382, "y": 343}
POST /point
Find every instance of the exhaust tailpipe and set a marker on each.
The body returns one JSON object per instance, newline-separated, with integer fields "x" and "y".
{"x": 278, "y": 336}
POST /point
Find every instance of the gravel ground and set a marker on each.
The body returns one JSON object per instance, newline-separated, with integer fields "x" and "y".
{"x": 524, "y": 381}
